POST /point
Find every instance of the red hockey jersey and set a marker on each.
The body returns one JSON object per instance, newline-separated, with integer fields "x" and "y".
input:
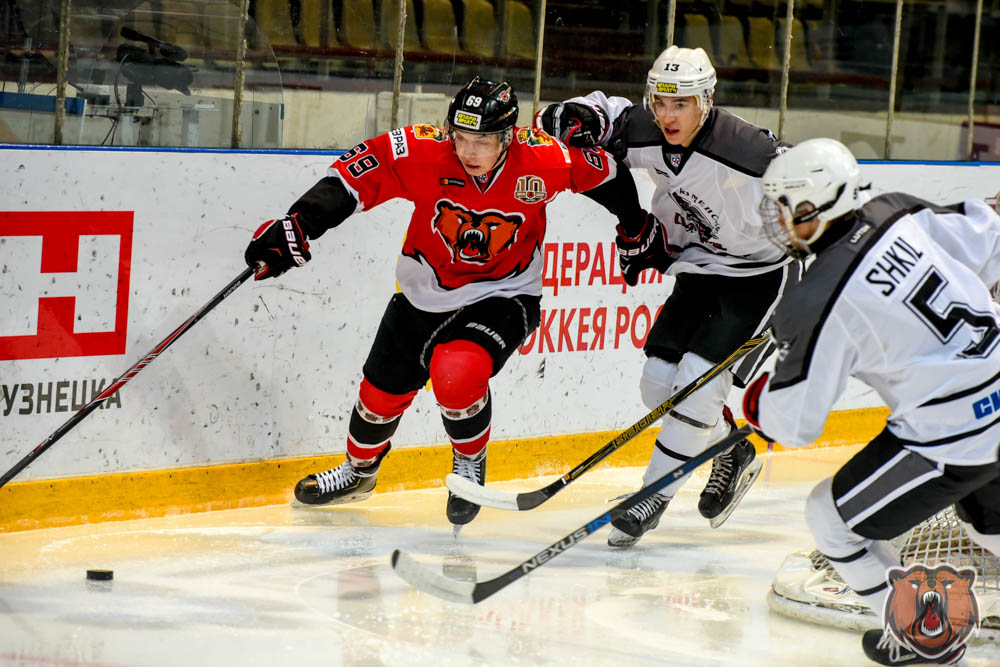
{"x": 468, "y": 238}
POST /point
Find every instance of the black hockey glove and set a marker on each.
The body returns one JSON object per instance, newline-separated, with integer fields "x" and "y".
{"x": 647, "y": 250}
{"x": 279, "y": 245}
{"x": 575, "y": 124}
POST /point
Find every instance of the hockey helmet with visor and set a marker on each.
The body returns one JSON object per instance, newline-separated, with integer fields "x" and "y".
{"x": 681, "y": 72}
{"x": 811, "y": 184}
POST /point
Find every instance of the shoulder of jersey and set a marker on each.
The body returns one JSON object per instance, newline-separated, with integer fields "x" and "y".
{"x": 637, "y": 128}
{"x": 422, "y": 142}
{"x": 739, "y": 143}
{"x": 534, "y": 146}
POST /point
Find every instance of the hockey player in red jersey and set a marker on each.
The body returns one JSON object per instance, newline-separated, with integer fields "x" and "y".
{"x": 706, "y": 165}
{"x": 896, "y": 297}
{"x": 470, "y": 271}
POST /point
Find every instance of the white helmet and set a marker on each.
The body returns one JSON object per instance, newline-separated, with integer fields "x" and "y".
{"x": 679, "y": 72}
{"x": 820, "y": 173}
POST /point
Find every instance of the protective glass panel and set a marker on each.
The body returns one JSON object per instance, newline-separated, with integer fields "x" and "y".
{"x": 153, "y": 73}
{"x": 934, "y": 78}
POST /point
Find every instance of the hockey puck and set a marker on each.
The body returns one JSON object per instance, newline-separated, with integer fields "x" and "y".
{"x": 100, "y": 575}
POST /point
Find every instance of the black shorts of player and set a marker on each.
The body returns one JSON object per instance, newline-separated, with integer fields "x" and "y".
{"x": 887, "y": 488}
{"x": 712, "y": 315}
{"x": 400, "y": 357}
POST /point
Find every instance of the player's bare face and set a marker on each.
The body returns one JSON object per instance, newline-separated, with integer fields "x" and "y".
{"x": 478, "y": 153}
{"x": 678, "y": 117}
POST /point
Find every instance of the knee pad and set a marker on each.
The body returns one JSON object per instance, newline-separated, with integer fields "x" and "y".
{"x": 705, "y": 404}
{"x": 657, "y": 381}
{"x": 460, "y": 373}
{"x": 378, "y": 407}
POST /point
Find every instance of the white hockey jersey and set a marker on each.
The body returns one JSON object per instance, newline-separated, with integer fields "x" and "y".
{"x": 707, "y": 195}
{"x": 898, "y": 300}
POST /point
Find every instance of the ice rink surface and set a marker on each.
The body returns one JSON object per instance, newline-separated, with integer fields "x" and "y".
{"x": 313, "y": 586}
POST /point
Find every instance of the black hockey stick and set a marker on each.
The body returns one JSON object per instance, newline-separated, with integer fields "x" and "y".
{"x": 487, "y": 497}
{"x": 125, "y": 377}
{"x": 463, "y": 591}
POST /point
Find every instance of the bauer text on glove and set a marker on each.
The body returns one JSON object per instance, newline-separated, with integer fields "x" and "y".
{"x": 646, "y": 250}
{"x": 279, "y": 245}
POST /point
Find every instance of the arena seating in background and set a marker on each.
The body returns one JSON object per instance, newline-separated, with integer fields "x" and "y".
{"x": 478, "y": 27}
{"x": 357, "y": 24}
{"x": 440, "y": 28}
{"x": 732, "y": 44}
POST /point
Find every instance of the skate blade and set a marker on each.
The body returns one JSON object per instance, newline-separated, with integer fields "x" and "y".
{"x": 456, "y": 529}
{"x": 356, "y": 498}
{"x": 619, "y": 539}
{"x": 747, "y": 479}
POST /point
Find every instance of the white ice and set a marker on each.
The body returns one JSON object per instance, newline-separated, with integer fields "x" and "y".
{"x": 313, "y": 586}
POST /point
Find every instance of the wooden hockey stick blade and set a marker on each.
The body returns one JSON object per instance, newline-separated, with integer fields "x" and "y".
{"x": 529, "y": 500}
{"x": 441, "y": 586}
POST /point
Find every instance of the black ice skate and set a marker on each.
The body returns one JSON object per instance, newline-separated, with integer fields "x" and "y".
{"x": 461, "y": 511}
{"x": 628, "y": 528}
{"x": 881, "y": 647}
{"x": 733, "y": 473}
{"x": 343, "y": 484}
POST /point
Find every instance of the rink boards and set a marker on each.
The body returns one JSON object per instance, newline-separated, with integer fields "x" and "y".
{"x": 104, "y": 252}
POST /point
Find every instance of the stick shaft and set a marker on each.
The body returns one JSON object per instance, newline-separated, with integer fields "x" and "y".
{"x": 532, "y": 499}
{"x": 484, "y": 589}
{"x": 124, "y": 378}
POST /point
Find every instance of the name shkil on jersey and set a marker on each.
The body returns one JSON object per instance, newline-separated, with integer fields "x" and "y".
{"x": 893, "y": 266}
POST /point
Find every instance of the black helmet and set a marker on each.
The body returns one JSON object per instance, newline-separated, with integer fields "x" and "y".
{"x": 484, "y": 107}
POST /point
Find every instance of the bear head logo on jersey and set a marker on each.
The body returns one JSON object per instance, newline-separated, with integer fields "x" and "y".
{"x": 473, "y": 236}
{"x": 931, "y": 610}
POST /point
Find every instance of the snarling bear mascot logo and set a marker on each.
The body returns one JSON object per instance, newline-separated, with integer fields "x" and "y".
{"x": 931, "y": 610}
{"x": 475, "y": 237}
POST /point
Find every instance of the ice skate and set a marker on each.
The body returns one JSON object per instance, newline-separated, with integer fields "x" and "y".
{"x": 733, "y": 473}
{"x": 628, "y": 528}
{"x": 882, "y": 647}
{"x": 347, "y": 483}
{"x": 461, "y": 511}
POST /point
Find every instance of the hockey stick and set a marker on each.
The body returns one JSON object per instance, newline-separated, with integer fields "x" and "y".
{"x": 528, "y": 500}
{"x": 125, "y": 377}
{"x": 462, "y": 591}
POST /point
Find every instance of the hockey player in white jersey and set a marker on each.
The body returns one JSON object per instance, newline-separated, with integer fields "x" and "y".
{"x": 896, "y": 297}
{"x": 706, "y": 164}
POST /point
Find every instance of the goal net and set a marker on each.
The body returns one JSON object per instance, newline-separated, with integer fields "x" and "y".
{"x": 808, "y": 588}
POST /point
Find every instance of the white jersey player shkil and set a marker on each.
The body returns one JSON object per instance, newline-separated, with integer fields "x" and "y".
{"x": 707, "y": 194}
{"x": 898, "y": 301}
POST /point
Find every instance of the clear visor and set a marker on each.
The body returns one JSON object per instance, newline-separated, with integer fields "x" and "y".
{"x": 481, "y": 139}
